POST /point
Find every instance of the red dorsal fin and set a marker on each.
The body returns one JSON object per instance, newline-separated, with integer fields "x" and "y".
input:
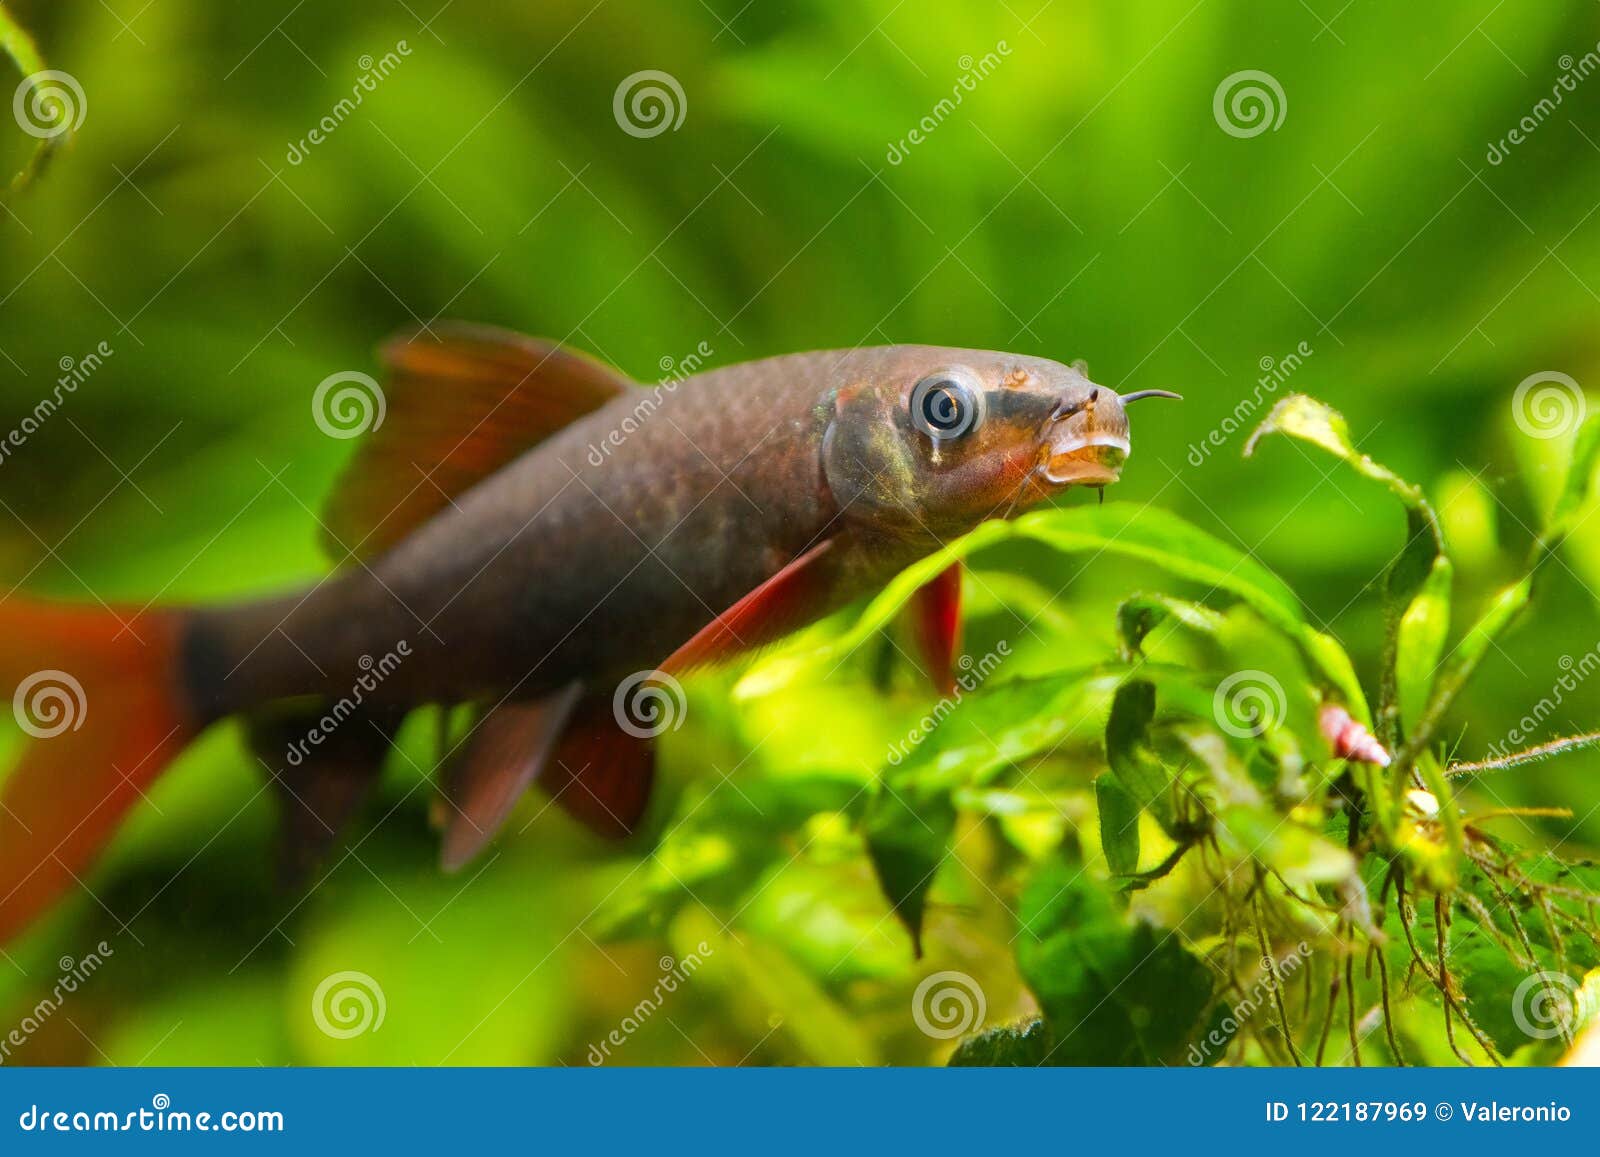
{"x": 935, "y": 612}
{"x": 504, "y": 753}
{"x": 798, "y": 594}
{"x": 460, "y": 402}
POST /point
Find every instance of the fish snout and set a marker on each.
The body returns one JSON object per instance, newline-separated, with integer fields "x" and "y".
{"x": 1087, "y": 441}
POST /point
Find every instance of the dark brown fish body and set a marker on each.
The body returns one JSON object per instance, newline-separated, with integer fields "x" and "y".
{"x": 527, "y": 532}
{"x": 589, "y": 557}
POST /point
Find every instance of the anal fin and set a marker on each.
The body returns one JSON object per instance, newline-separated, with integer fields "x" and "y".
{"x": 321, "y": 777}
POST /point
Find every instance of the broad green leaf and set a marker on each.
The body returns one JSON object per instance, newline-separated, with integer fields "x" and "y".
{"x": 908, "y": 833}
{"x": 1006, "y": 1047}
{"x": 1114, "y": 992}
{"x": 1119, "y": 825}
{"x": 1145, "y": 533}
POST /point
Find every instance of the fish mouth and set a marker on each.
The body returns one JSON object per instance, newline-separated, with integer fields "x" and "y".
{"x": 1086, "y": 460}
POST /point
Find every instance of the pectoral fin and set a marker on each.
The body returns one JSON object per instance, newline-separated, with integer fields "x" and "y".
{"x": 798, "y": 594}
{"x": 503, "y": 755}
{"x": 935, "y": 615}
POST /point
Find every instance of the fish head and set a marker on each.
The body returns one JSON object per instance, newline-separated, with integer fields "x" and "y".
{"x": 943, "y": 439}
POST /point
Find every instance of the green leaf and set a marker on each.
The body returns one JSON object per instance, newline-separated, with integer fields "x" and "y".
{"x": 1119, "y": 825}
{"x": 908, "y": 833}
{"x": 1510, "y": 602}
{"x": 1138, "y": 771}
{"x": 1140, "y": 614}
{"x": 24, "y": 53}
{"x": 1145, "y": 533}
{"x": 1420, "y": 639}
{"x": 1113, "y": 992}
{"x": 1019, "y": 1046}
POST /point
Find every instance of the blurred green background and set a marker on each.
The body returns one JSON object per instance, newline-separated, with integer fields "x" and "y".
{"x": 1082, "y": 200}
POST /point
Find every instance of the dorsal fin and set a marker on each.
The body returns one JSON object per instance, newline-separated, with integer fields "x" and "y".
{"x": 460, "y": 401}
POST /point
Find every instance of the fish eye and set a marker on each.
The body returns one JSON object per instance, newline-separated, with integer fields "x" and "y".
{"x": 945, "y": 406}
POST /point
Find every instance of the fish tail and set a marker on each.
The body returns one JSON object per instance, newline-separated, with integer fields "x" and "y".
{"x": 98, "y": 694}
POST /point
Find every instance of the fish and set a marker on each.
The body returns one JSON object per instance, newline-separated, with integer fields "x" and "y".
{"x": 526, "y": 531}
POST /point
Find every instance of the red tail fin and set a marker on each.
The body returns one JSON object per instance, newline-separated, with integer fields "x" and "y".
{"x": 97, "y": 691}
